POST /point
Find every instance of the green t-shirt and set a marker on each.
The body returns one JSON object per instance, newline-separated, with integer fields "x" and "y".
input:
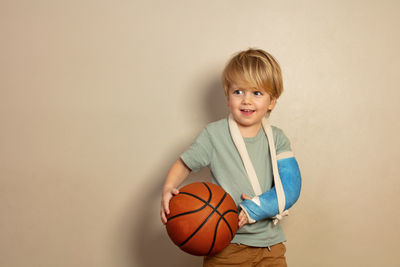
{"x": 215, "y": 149}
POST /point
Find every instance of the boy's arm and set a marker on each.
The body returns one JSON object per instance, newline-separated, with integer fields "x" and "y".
{"x": 176, "y": 175}
{"x": 266, "y": 205}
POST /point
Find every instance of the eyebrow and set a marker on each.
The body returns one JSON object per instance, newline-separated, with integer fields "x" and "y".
{"x": 250, "y": 89}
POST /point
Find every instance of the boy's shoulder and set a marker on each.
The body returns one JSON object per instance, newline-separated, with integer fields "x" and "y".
{"x": 278, "y": 133}
{"x": 217, "y": 125}
{"x": 282, "y": 142}
{"x": 217, "y": 130}
{"x": 276, "y": 130}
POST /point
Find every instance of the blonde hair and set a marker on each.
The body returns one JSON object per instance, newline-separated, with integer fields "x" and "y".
{"x": 254, "y": 68}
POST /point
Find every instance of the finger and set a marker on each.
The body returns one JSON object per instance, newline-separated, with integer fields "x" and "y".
{"x": 244, "y": 196}
{"x": 241, "y": 223}
{"x": 165, "y": 205}
{"x": 175, "y": 191}
{"x": 242, "y": 219}
{"x": 163, "y": 216}
{"x": 166, "y": 209}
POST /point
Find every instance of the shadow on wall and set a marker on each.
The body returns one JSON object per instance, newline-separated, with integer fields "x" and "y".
{"x": 149, "y": 244}
{"x": 215, "y": 101}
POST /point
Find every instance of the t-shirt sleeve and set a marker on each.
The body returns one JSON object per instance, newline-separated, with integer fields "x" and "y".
{"x": 200, "y": 152}
{"x": 282, "y": 143}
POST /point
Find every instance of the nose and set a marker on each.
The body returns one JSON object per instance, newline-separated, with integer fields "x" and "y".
{"x": 247, "y": 97}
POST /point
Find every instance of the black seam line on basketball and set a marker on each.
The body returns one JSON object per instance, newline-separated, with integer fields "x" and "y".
{"x": 221, "y": 215}
{"x": 216, "y": 228}
{"x": 188, "y": 212}
{"x": 193, "y": 211}
{"x": 209, "y": 216}
{"x": 201, "y": 225}
{"x": 205, "y": 202}
{"x": 227, "y": 224}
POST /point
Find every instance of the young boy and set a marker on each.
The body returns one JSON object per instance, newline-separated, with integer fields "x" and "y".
{"x": 252, "y": 82}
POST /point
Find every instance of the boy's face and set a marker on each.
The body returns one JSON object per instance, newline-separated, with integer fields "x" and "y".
{"x": 248, "y": 106}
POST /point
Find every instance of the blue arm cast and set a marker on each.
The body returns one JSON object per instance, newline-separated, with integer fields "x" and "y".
{"x": 266, "y": 205}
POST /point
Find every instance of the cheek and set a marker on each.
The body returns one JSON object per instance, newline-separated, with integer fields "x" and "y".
{"x": 262, "y": 103}
{"x": 232, "y": 102}
{"x": 228, "y": 102}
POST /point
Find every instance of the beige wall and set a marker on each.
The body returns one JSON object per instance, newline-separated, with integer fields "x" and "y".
{"x": 98, "y": 98}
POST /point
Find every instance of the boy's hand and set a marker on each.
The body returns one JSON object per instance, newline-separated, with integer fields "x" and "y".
{"x": 168, "y": 193}
{"x": 243, "y": 220}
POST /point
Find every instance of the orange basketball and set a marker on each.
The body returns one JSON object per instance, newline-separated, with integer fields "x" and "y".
{"x": 203, "y": 219}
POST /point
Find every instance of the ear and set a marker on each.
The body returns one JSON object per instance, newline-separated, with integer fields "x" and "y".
{"x": 272, "y": 104}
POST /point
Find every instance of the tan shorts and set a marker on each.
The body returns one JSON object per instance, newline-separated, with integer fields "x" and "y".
{"x": 242, "y": 255}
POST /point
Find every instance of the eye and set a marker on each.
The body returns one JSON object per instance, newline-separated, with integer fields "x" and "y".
{"x": 257, "y": 93}
{"x": 237, "y": 92}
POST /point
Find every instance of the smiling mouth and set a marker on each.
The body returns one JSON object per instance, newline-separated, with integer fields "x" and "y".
{"x": 247, "y": 111}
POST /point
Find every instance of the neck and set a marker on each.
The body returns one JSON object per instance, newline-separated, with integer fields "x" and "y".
{"x": 249, "y": 131}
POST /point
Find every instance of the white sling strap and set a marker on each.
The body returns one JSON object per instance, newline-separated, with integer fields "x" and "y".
{"x": 241, "y": 147}
{"x": 280, "y": 194}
